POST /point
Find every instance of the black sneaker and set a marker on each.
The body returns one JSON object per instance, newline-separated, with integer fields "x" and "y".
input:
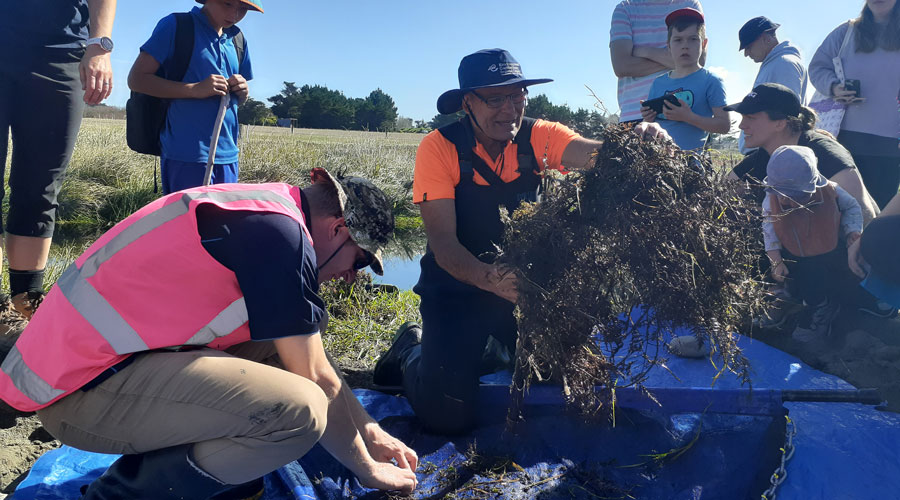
{"x": 388, "y": 370}
{"x": 819, "y": 324}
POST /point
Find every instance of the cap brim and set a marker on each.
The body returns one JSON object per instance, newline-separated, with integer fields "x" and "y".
{"x": 252, "y": 6}
{"x": 741, "y": 108}
{"x": 377, "y": 264}
{"x": 451, "y": 101}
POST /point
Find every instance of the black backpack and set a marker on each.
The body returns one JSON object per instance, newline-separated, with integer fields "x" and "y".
{"x": 145, "y": 116}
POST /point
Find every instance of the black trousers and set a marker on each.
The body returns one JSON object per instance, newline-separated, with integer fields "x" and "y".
{"x": 41, "y": 103}
{"x": 816, "y": 278}
{"x": 441, "y": 376}
{"x": 879, "y": 246}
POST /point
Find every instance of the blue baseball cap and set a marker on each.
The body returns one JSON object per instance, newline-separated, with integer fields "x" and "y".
{"x": 751, "y": 30}
{"x": 483, "y": 69}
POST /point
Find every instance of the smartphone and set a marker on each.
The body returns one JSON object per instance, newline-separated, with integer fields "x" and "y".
{"x": 656, "y": 104}
{"x": 852, "y": 85}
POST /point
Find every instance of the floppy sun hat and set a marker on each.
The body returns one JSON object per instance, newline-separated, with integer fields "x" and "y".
{"x": 367, "y": 213}
{"x": 252, "y": 4}
{"x": 792, "y": 171}
{"x": 483, "y": 69}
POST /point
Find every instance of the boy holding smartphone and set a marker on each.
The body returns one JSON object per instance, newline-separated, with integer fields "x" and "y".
{"x": 700, "y": 94}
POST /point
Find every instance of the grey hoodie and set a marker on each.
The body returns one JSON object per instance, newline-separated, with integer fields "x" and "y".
{"x": 785, "y": 66}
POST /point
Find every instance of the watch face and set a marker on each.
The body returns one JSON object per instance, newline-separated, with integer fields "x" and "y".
{"x": 106, "y": 44}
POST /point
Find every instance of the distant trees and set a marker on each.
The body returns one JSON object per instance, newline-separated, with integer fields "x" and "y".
{"x": 317, "y": 106}
{"x": 255, "y": 112}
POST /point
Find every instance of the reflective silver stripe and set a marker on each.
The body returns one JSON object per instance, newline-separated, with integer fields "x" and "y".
{"x": 170, "y": 212}
{"x": 28, "y": 382}
{"x": 99, "y": 313}
{"x": 227, "y": 321}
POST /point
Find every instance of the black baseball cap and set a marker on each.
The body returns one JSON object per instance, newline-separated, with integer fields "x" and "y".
{"x": 751, "y": 30}
{"x": 482, "y": 69}
{"x": 769, "y": 97}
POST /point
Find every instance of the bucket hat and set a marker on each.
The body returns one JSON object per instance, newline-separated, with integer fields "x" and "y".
{"x": 252, "y": 4}
{"x": 482, "y": 69}
{"x": 367, "y": 213}
{"x": 792, "y": 171}
{"x": 751, "y": 30}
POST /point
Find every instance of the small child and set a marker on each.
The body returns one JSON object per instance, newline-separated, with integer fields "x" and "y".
{"x": 805, "y": 219}
{"x": 701, "y": 95}
{"x": 214, "y": 71}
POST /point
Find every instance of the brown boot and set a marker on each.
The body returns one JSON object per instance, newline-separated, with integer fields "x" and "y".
{"x": 26, "y": 303}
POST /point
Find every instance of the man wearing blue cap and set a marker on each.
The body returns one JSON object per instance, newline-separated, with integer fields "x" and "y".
{"x": 780, "y": 61}
{"x": 464, "y": 173}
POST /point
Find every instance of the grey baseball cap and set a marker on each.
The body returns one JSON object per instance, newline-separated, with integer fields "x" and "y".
{"x": 367, "y": 213}
{"x": 792, "y": 171}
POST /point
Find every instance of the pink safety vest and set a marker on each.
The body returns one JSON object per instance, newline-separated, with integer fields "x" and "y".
{"x": 146, "y": 284}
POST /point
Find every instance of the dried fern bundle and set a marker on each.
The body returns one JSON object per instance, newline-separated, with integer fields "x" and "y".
{"x": 649, "y": 232}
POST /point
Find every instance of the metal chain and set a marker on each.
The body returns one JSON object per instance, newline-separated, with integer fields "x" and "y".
{"x": 787, "y": 452}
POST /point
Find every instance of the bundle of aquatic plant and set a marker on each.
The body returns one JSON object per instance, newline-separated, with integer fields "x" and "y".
{"x": 616, "y": 256}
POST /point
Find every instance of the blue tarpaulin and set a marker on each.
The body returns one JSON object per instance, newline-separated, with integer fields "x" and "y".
{"x": 843, "y": 450}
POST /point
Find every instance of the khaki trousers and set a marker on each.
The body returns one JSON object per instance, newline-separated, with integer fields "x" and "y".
{"x": 245, "y": 418}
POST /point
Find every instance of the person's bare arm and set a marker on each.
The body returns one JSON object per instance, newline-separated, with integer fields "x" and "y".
{"x": 850, "y": 180}
{"x": 579, "y": 154}
{"x": 304, "y": 355}
{"x": 626, "y": 63}
{"x": 439, "y": 217}
{"x": 142, "y": 78}
{"x": 95, "y": 69}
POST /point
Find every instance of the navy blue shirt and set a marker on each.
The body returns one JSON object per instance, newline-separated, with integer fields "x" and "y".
{"x": 275, "y": 266}
{"x": 44, "y": 23}
{"x": 189, "y": 122}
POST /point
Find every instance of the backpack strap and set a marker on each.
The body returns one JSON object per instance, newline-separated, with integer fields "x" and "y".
{"x": 184, "y": 47}
{"x": 524, "y": 149}
{"x": 238, "y": 41}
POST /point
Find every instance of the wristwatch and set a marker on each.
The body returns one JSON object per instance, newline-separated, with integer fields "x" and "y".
{"x": 104, "y": 42}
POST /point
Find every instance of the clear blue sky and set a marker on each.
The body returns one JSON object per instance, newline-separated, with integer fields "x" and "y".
{"x": 411, "y": 49}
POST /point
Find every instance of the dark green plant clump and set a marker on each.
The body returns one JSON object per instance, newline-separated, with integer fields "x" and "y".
{"x": 649, "y": 234}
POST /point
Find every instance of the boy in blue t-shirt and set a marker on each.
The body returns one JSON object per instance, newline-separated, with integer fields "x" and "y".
{"x": 214, "y": 71}
{"x": 701, "y": 94}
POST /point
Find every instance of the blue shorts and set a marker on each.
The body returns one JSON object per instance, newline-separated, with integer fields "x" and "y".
{"x": 178, "y": 175}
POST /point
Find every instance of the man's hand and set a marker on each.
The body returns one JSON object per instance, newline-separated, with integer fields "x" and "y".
{"x": 855, "y": 260}
{"x": 96, "y": 74}
{"x": 651, "y": 131}
{"x": 238, "y": 86}
{"x": 386, "y": 476}
{"x": 384, "y": 447}
{"x": 212, "y": 86}
{"x": 648, "y": 114}
{"x": 675, "y": 113}
{"x": 501, "y": 282}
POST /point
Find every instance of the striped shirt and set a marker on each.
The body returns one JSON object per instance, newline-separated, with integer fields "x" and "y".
{"x": 644, "y": 23}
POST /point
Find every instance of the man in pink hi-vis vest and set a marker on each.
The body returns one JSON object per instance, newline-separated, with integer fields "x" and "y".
{"x": 142, "y": 346}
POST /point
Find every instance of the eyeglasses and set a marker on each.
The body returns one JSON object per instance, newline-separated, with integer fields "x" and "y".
{"x": 360, "y": 263}
{"x": 497, "y": 101}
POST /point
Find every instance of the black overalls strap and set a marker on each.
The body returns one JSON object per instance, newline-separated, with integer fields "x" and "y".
{"x": 478, "y": 224}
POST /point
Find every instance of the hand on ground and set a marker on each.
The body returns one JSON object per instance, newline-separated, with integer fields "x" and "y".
{"x": 856, "y": 261}
{"x": 384, "y": 447}
{"x": 388, "y": 477}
